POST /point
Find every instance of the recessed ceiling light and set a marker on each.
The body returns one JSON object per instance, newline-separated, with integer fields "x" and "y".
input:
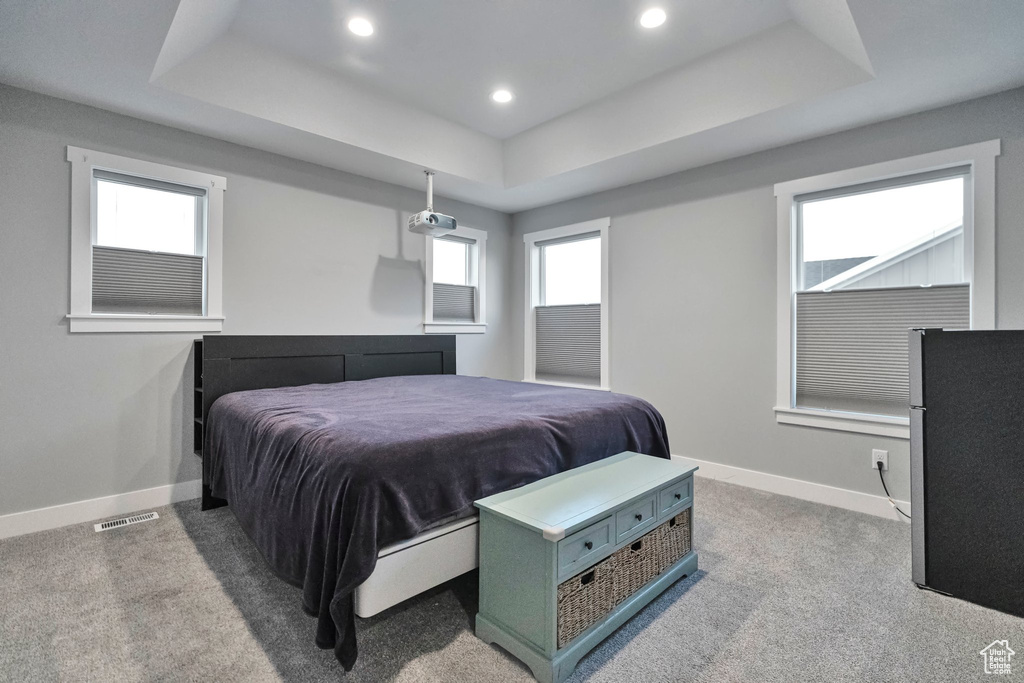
{"x": 653, "y": 18}
{"x": 501, "y": 96}
{"x": 360, "y": 26}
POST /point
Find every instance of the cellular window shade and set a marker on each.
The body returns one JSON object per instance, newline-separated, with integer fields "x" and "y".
{"x": 454, "y": 302}
{"x": 569, "y": 343}
{"x": 851, "y": 345}
{"x": 146, "y": 282}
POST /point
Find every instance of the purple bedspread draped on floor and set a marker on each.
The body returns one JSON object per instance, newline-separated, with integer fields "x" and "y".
{"x": 323, "y": 476}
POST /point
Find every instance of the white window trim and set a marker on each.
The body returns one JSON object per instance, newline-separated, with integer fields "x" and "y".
{"x": 979, "y": 257}
{"x": 478, "y": 276}
{"x": 83, "y": 232}
{"x": 532, "y": 298}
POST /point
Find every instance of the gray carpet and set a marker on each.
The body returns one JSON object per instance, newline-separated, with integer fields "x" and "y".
{"x": 787, "y": 591}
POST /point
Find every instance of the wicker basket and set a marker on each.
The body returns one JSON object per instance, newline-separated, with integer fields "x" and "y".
{"x": 587, "y": 597}
{"x": 635, "y": 565}
{"x": 674, "y": 540}
{"x": 584, "y": 600}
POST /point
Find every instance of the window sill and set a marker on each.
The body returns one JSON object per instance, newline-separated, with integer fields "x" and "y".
{"x": 454, "y": 328}
{"x": 879, "y": 425}
{"x": 569, "y": 385}
{"x": 98, "y": 322}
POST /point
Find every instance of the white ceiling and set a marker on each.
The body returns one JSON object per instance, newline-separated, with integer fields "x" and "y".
{"x": 599, "y": 103}
{"x": 446, "y": 57}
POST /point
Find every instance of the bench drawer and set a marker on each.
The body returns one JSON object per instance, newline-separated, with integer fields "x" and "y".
{"x": 675, "y": 497}
{"x": 576, "y": 550}
{"x": 637, "y": 515}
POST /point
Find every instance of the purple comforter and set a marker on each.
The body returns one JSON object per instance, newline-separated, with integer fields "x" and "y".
{"x": 323, "y": 476}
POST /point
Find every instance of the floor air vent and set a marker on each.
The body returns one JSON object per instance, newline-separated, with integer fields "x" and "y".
{"x": 125, "y": 521}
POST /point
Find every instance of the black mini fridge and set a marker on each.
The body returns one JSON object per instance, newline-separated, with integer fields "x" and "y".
{"x": 967, "y": 464}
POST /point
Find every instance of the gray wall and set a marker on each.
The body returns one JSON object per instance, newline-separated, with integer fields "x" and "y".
{"x": 307, "y": 250}
{"x": 311, "y": 250}
{"x": 693, "y": 303}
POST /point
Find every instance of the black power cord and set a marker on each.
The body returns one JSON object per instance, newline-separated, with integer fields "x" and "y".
{"x": 878, "y": 465}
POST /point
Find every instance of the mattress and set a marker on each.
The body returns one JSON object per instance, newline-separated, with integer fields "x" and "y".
{"x": 323, "y": 476}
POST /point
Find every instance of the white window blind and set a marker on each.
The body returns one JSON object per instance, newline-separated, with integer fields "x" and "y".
{"x": 851, "y": 345}
{"x": 454, "y": 302}
{"x": 139, "y": 181}
{"x": 136, "y": 281}
{"x": 568, "y": 340}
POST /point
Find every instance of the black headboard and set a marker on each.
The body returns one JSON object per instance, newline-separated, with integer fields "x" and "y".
{"x": 226, "y": 363}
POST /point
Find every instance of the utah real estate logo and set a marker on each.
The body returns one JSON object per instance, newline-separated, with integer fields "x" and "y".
{"x": 997, "y": 657}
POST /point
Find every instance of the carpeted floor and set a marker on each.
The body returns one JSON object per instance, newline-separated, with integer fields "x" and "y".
{"x": 788, "y": 591}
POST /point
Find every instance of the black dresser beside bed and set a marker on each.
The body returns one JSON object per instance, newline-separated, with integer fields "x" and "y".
{"x": 329, "y": 449}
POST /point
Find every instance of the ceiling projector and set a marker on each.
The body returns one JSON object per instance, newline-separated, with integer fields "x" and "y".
{"x": 429, "y": 222}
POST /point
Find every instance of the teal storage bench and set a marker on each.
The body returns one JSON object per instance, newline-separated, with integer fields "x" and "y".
{"x": 568, "y": 559}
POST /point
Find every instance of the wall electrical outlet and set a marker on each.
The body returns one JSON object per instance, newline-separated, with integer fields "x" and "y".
{"x": 879, "y": 456}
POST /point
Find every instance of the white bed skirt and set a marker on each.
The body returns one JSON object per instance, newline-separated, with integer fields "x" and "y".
{"x": 408, "y": 568}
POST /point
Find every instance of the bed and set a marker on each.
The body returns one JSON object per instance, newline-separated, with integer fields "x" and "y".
{"x": 338, "y": 453}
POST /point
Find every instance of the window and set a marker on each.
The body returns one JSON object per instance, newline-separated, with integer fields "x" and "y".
{"x": 567, "y": 312}
{"x": 148, "y": 256}
{"x": 868, "y": 254}
{"x": 452, "y": 263}
{"x": 456, "y": 275}
{"x": 571, "y": 270}
{"x": 145, "y": 245}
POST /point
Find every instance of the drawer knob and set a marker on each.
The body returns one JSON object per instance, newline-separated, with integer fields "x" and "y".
{"x": 588, "y": 545}
{"x": 678, "y": 496}
{"x": 639, "y": 518}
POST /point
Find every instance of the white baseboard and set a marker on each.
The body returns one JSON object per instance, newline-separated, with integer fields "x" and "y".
{"x": 798, "y": 488}
{"x": 97, "y": 508}
{"x": 126, "y": 503}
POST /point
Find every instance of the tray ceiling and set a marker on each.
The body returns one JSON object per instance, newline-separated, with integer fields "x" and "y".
{"x": 598, "y": 100}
